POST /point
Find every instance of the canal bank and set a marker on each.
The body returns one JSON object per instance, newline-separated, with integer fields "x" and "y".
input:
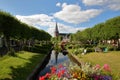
{"x": 35, "y": 74}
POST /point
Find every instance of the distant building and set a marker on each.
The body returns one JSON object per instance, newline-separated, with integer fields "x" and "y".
{"x": 64, "y": 36}
{"x": 56, "y": 33}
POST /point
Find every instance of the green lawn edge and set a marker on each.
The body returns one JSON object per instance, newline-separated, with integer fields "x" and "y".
{"x": 112, "y": 58}
{"x": 19, "y": 67}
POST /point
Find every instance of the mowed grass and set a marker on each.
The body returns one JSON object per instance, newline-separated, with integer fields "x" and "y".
{"x": 111, "y": 58}
{"x": 19, "y": 67}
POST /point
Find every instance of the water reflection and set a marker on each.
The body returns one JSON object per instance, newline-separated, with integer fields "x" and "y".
{"x": 55, "y": 59}
{"x": 56, "y": 55}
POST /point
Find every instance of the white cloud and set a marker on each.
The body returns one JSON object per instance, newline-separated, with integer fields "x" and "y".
{"x": 94, "y": 2}
{"x": 37, "y": 19}
{"x": 115, "y": 7}
{"x": 43, "y": 21}
{"x": 111, "y": 4}
{"x": 58, "y": 4}
{"x": 73, "y": 14}
{"x": 64, "y": 4}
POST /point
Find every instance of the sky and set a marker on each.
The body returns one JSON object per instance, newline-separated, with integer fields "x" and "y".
{"x": 70, "y": 15}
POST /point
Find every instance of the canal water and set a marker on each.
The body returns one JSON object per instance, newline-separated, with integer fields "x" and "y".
{"x": 61, "y": 59}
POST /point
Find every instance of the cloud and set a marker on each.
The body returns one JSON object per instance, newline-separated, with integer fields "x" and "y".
{"x": 36, "y": 19}
{"x": 47, "y": 23}
{"x": 111, "y": 4}
{"x": 94, "y": 2}
{"x": 73, "y": 14}
{"x": 64, "y": 4}
{"x": 115, "y": 7}
{"x": 58, "y": 4}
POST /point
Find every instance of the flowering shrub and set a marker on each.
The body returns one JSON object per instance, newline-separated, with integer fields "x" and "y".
{"x": 97, "y": 72}
{"x": 75, "y": 72}
{"x": 55, "y": 74}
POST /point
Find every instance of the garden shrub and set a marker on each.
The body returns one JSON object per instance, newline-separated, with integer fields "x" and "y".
{"x": 90, "y": 50}
{"x": 77, "y": 51}
{"x": 69, "y": 46}
{"x": 110, "y": 48}
{"x": 77, "y": 46}
{"x": 38, "y": 48}
{"x": 11, "y": 52}
{"x": 88, "y": 45}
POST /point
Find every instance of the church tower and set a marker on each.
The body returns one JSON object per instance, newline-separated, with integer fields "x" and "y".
{"x": 56, "y": 33}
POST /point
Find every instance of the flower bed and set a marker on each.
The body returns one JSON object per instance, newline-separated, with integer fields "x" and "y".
{"x": 75, "y": 72}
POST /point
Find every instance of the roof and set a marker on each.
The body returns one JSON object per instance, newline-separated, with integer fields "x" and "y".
{"x": 64, "y": 34}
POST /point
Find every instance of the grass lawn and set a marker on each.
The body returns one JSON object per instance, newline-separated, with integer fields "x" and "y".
{"x": 111, "y": 58}
{"x": 19, "y": 67}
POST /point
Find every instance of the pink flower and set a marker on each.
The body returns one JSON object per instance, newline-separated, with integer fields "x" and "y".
{"x": 106, "y": 67}
{"x": 97, "y": 66}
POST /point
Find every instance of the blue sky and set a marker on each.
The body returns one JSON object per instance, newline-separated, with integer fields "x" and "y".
{"x": 71, "y": 15}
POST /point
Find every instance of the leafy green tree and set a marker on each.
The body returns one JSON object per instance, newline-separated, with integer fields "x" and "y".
{"x": 12, "y": 28}
{"x": 108, "y": 30}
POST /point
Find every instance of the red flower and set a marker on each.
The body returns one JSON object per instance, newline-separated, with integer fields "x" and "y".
{"x": 47, "y": 75}
{"x": 59, "y": 74}
{"x": 53, "y": 70}
{"x": 62, "y": 71}
{"x": 42, "y": 78}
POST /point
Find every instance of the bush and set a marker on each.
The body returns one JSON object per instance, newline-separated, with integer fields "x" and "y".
{"x": 110, "y": 48}
{"x": 77, "y": 51}
{"x": 38, "y": 48}
{"x": 90, "y": 50}
{"x": 88, "y": 45}
{"x": 11, "y": 52}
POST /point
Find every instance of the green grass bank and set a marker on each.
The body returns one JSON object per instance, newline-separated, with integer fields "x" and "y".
{"x": 19, "y": 67}
{"x": 111, "y": 58}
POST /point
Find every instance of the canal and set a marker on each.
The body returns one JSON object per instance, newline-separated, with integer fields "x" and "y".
{"x": 61, "y": 59}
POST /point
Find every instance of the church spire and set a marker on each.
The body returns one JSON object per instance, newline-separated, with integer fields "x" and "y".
{"x": 56, "y": 30}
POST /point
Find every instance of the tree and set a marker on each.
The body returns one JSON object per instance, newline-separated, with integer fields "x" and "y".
{"x": 12, "y": 28}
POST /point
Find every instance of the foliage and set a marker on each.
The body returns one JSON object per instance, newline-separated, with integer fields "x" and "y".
{"x": 110, "y": 29}
{"x": 57, "y": 47}
{"x": 57, "y": 43}
{"x": 90, "y": 50}
{"x": 12, "y": 28}
{"x": 41, "y": 48}
{"x": 77, "y": 51}
{"x": 108, "y": 46}
{"x": 11, "y": 52}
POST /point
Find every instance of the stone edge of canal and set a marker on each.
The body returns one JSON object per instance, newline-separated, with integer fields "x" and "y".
{"x": 35, "y": 73}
